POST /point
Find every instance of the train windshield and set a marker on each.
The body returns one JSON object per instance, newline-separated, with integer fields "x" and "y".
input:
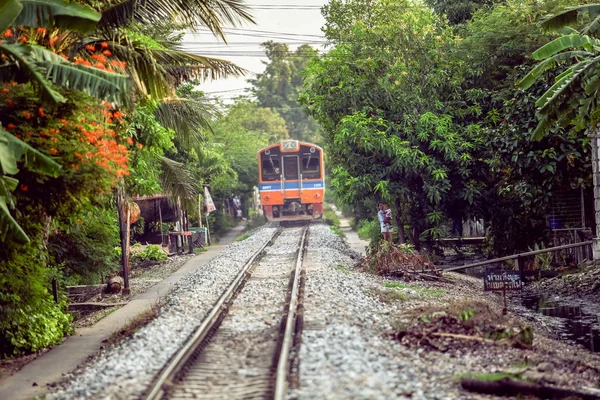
{"x": 290, "y": 167}
{"x": 271, "y": 169}
{"x": 311, "y": 166}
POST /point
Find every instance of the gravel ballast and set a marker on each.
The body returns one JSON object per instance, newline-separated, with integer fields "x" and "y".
{"x": 348, "y": 352}
{"x": 125, "y": 370}
{"x": 347, "y": 346}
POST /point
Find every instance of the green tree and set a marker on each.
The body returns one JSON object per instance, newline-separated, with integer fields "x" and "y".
{"x": 280, "y": 85}
{"x": 384, "y": 97}
{"x": 244, "y": 129}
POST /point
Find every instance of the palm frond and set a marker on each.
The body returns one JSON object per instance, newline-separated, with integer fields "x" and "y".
{"x": 9, "y": 11}
{"x": 183, "y": 66}
{"x": 156, "y": 71}
{"x": 32, "y": 159}
{"x": 213, "y": 14}
{"x": 104, "y": 85}
{"x": 57, "y": 13}
{"x": 8, "y": 225}
{"x": 21, "y": 54}
{"x": 188, "y": 118}
{"x": 176, "y": 180}
{"x": 118, "y": 15}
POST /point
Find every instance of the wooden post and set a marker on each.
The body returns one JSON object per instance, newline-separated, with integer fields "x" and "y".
{"x": 121, "y": 199}
{"x": 595, "y": 142}
{"x": 54, "y": 290}
{"x": 207, "y": 230}
{"x": 162, "y": 235}
{"x": 126, "y": 290}
{"x": 519, "y": 266}
{"x": 200, "y": 210}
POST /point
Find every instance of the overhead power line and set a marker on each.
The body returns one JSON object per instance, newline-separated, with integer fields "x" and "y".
{"x": 249, "y": 31}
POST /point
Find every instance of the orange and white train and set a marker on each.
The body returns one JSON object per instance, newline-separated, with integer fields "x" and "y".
{"x": 292, "y": 181}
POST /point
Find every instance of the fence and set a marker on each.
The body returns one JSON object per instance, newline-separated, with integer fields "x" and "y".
{"x": 523, "y": 262}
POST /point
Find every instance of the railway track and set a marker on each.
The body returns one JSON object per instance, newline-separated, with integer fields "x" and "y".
{"x": 242, "y": 349}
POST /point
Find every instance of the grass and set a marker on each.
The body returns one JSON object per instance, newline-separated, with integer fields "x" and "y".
{"x": 341, "y": 268}
{"x": 333, "y": 220}
{"x": 489, "y": 377}
{"x": 138, "y": 322}
{"x": 389, "y": 296}
{"x": 243, "y": 237}
{"x": 198, "y": 250}
{"x": 419, "y": 289}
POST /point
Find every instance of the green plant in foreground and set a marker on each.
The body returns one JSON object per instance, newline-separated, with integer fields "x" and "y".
{"x": 466, "y": 315}
{"x": 489, "y": 377}
{"x": 419, "y": 289}
{"x": 243, "y": 237}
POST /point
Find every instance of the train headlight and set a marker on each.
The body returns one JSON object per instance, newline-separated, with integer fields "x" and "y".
{"x": 267, "y": 197}
{"x": 312, "y": 149}
{"x": 317, "y": 195}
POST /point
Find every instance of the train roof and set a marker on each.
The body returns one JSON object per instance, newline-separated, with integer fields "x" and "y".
{"x": 297, "y": 144}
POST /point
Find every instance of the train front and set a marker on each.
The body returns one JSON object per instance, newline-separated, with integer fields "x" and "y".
{"x": 292, "y": 181}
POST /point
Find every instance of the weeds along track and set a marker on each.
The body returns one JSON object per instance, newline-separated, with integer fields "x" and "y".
{"x": 242, "y": 349}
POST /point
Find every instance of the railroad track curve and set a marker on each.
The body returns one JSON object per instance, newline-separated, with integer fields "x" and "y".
{"x": 243, "y": 348}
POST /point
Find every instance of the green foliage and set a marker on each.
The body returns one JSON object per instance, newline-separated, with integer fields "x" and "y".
{"x": 419, "y": 289}
{"x": 458, "y": 12}
{"x": 389, "y": 132}
{"x": 29, "y": 319}
{"x": 243, "y": 237}
{"x": 151, "y": 252}
{"x": 466, "y": 315}
{"x": 85, "y": 246}
{"x": 369, "y": 230}
{"x": 279, "y": 86}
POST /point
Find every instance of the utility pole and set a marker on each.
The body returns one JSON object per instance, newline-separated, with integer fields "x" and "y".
{"x": 595, "y": 142}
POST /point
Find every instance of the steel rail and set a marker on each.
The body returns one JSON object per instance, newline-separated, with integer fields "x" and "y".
{"x": 283, "y": 364}
{"x": 156, "y": 390}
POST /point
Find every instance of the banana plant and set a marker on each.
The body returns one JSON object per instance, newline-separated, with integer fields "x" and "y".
{"x": 12, "y": 151}
{"x": 572, "y": 99}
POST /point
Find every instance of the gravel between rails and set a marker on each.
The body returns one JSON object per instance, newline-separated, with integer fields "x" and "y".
{"x": 237, "y": 363}
{"x": 125, "y": 370}
{"x": 347, "y": 351}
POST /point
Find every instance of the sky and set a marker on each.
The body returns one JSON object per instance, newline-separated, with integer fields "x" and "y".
{"x": 286, "y": 21}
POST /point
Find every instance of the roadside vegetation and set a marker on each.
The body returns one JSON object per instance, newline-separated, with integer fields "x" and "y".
{"x": 331, "y": 218}
{"x": 421, "y": 107}
{"x": 96, "y": 108}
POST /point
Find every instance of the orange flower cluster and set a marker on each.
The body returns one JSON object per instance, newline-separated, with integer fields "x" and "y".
{"x": 99, "y": 58}
{"x": 87, "y": 143}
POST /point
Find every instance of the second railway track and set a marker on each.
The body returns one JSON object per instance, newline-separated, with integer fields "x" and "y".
{"x": 242, "y": 349}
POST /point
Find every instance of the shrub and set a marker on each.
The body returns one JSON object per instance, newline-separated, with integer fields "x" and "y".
{"x": 85, "y": 247}
{"x": 29, "y": 319}
{"x": 369, "y": 230}
{"x": 152, "y": 252}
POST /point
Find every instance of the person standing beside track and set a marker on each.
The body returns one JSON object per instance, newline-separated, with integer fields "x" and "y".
{"x": 385, "y": 222}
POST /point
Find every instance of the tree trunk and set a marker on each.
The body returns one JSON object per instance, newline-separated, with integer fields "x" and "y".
{"x": 399, "y": 222}
{"x": 416, "y": 235}
{"x": 121, "y": 201}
